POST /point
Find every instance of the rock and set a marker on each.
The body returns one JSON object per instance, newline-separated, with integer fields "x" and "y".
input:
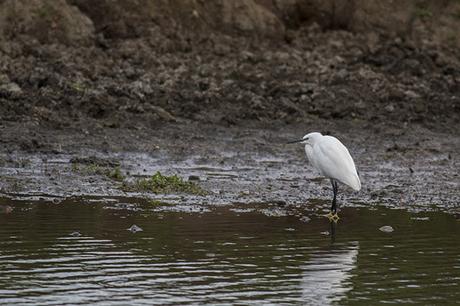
{"x": 134, "y": 229}
{"x": 411, "y": 94}
{"x": 48, "y": 21}
{"x": 279, "y": 202}
{"x": 75, "y": 234}
{"x": 386, "y": 229}
{"x": 249, "y": 16}
{"x": 162, "y": 113}
{"x": 390, "y": 108}
{"x": 193, "y": 178}
{"x": 342, "y": 74}
{"x": 10, "y": 89}
{"x": 126, "y": 18}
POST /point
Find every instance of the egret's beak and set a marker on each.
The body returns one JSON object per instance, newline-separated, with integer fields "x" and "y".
{"x": 295, "y": 141}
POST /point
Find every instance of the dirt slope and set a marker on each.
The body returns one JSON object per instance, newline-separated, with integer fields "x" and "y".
{"x": 131, "y": 64}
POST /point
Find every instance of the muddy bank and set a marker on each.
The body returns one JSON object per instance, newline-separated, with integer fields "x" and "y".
{"x": 226, "y": 80}
{"x": 217, "y": 104}
{"x": 410, "y": 169}
{"x": 119, "y": 66}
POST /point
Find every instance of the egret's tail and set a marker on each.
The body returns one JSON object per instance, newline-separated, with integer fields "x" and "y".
{"x": 355, "y": 183}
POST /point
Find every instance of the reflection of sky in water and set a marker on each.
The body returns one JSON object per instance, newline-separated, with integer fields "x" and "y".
{"x": 325, "y": 276}
{"x": 77, "y": 270}
{"x": 237, "y": 255}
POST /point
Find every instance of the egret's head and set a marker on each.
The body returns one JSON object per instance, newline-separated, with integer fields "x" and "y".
{"x": 308, "y": 139}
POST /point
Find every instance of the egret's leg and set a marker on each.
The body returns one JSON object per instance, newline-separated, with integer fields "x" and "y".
{"x": 336, "y": 193}
{"x": 334, "y": 200}
{"x": 332, "y": 215}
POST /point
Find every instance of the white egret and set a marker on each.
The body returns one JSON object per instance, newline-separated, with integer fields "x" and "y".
{"x": 332, "y": 159}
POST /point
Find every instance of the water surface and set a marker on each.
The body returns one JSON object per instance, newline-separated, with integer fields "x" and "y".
{"x": 80, "y": 252}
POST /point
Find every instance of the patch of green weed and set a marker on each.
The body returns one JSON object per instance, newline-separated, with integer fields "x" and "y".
{"x": 157, "y": 203}
{"x": 116, "y": 174}
{"x": 95, "y": 169}
{"x": 456, "y": 14}
{"x": 159, "y": 183}
{"x": 80, "y": 87}
{"x": 422, "y": 10}
{"x": 423, "y": 13}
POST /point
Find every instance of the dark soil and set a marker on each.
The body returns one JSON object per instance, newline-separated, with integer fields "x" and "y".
{"x": 226, "y": 80}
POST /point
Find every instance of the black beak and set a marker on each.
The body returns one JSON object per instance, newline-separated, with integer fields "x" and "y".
{"x": 295, "y": 141}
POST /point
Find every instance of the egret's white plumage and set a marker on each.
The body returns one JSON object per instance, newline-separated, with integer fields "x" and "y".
{"x": 332, "y": 159}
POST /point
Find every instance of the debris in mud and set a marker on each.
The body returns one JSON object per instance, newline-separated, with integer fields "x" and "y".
{"x": 6, "y": 209}
{"x": 421, "y": 218}
{"x": 244, "y": 193}
{"x": 75, "y": 234}
{"x": 274, "y": 212}
{"x": 93, "y": 160}
{"x": 386, "y": 229}
{"x": 134, "y": 229}
{"x": 160, "y": 183}
{"x": 193, "y": 178}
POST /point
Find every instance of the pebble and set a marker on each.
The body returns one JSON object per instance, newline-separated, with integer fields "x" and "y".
{"x": 386, "y": 229}
{"x": 11, "y": 88}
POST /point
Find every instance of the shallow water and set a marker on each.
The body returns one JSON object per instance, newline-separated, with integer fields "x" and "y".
{"x": 80, "y": 251}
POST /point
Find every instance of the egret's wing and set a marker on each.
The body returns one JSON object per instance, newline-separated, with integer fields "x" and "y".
{"x": 333, "y": 160}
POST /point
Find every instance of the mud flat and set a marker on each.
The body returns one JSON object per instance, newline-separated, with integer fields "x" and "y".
{"x": 411, "y": 169}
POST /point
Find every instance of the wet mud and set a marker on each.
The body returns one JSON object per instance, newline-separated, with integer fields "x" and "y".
{"x": 411, "y": 169}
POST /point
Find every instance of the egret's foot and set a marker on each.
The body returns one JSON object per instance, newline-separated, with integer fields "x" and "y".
{"x": 332, "y": 216}
{"x": 329, "y": 215}
{"x": 335, "y": 217}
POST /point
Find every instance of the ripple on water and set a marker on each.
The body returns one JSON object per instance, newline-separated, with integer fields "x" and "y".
{"x": 223, "y": 256}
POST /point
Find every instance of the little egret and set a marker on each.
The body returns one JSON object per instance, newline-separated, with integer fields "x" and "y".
{"x": 332, "y": 159}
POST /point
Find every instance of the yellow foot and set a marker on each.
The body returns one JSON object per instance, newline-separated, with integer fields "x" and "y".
{"x": 332, "y": 217}
{"x": 335, "y": 217}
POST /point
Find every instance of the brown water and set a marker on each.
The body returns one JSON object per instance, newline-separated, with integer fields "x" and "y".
{"x": 80, "y": 252}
